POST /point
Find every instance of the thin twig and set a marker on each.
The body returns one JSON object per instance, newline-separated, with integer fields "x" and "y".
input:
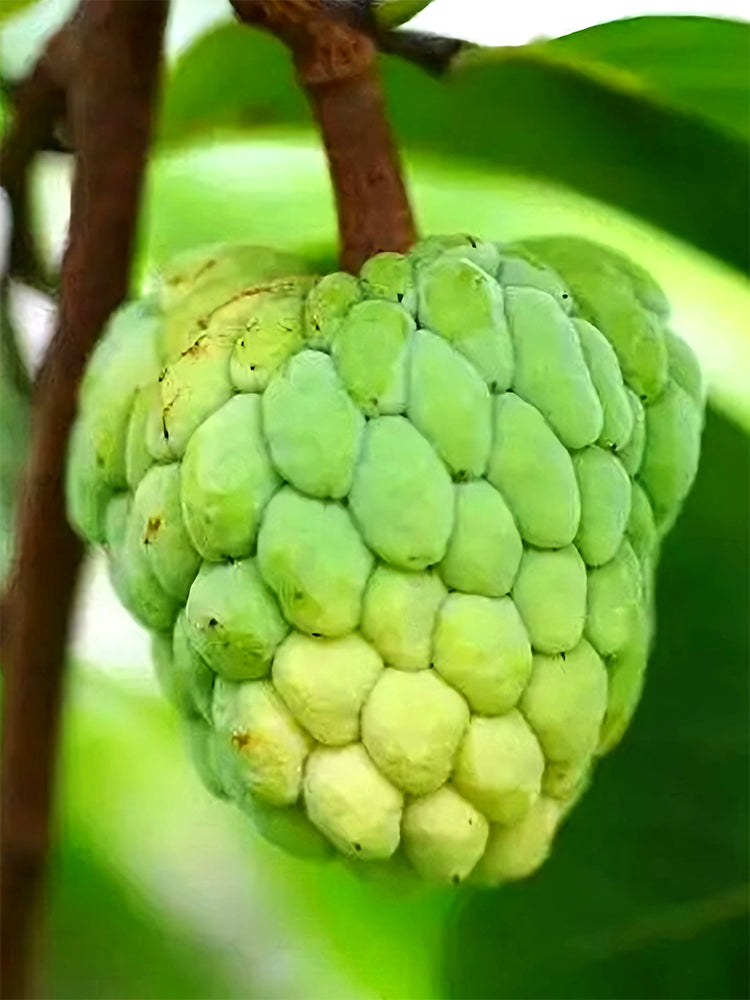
{"x": 433, "y": 53}
{"x": 337, "y": 67}
{"x": 111, "y": 110}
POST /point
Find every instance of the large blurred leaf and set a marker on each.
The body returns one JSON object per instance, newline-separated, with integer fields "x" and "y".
{"x": 549, "y": 121}
{"x": 11, "y": 7}
{"x": 647, "y": 893}
{"x": 699, "y": 64}
{"x": 545, "y": 117}
{"x": 256, "y": 86}
{"x": 106, "y": 941}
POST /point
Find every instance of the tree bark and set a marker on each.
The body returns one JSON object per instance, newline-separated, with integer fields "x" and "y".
{"x": 110, "y": 100}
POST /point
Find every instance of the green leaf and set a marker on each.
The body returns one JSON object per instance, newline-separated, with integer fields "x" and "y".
{"x": 697, "y": 64}
{"x": 553, "y": 122}
{"x": 12, "y": 7}
{"x": 392, "y": 13}
{"x": 647, "y": 891}
{"x": 543, "y": 118}
{"x": 108, "y": 940}
{"x": 255, "y": 87}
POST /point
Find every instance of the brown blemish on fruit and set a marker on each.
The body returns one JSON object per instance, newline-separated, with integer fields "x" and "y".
{"x": 240, "y": 740}
{"x": 152, "y": 530}
{"x": 285, "y": 285}
{"x": 202, "y": 270}
{"x": 197, "y": 348}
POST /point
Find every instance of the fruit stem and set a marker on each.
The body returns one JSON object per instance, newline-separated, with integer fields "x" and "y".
{"x": 337, "y": 68}
{"x": 111, "y": 94}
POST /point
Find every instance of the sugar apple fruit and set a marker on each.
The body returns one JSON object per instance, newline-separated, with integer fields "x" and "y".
{"x": 394, "y": 535}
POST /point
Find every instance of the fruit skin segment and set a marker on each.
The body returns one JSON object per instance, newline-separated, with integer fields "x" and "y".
{"x": 227, "y": 480}
{"x": 531, "y": 468}
{"x": 394, "y": 534}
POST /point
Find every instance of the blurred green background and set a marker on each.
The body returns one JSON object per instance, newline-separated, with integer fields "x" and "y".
{"x": 635, "y": 133}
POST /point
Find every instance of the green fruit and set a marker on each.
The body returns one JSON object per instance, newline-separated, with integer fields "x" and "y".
{"x": 227, "y": 480}
{"x": 499, "y": 766}
{"x": 626, "y": 671}
{"x": 631, "y": 455}
{"x": 159, "y": 524}
{"x": 444, "y": 835}
{"x": 412, "y": 725}
{"x": 312, "y": 557}
{"x": 389, "y": 276}
{"x": 450, "y": 404}
{"x": 550, "y": 594}
{"x": 130, "y": 571}
{"x": 327, "y": 305}
{"x": 482, "y": 649}
{"x": 532, "y": 469}
{"x": 617, "y": 415}
{"x": 671, "y": 452}
{"x": 520, "y": 269}
{"x": 233, "y": 621}
{"x": 605, "y": 490}
{"x": 459, "y": 301}
{"x": 550, "y": 371}
{"x": 325, "y": 682}
{"x": 200, "y": 281}
{"x": 349, "y": 800}
{"x": 265, "y": 747}
{"x": 616, "y": 593}
{"x": 485, "y": 548}
{"x": 402, "y": 497}
{"x": 641, "y": 529}
{"x": 515, "y": 852}
{"x": 621, "y": 300}
{"x": 125, "y": 359}
{"x": 394, "y": 534}
{"x": 398, "y": 615}
{"x": 370, "y": 349}
{"x": 565, "y": 702}
{"x": 185, "y": 677}
{"x": 307, "y": 396}
{"x": 265, "y": 329}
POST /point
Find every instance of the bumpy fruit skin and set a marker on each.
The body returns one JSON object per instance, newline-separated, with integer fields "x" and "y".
{"x": 395, "y": 535}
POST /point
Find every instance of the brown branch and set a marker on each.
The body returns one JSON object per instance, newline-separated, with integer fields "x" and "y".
{"x": 40, "y": 106}
{"x": 336, "y": 65}
{"x": 111, "y": 110}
